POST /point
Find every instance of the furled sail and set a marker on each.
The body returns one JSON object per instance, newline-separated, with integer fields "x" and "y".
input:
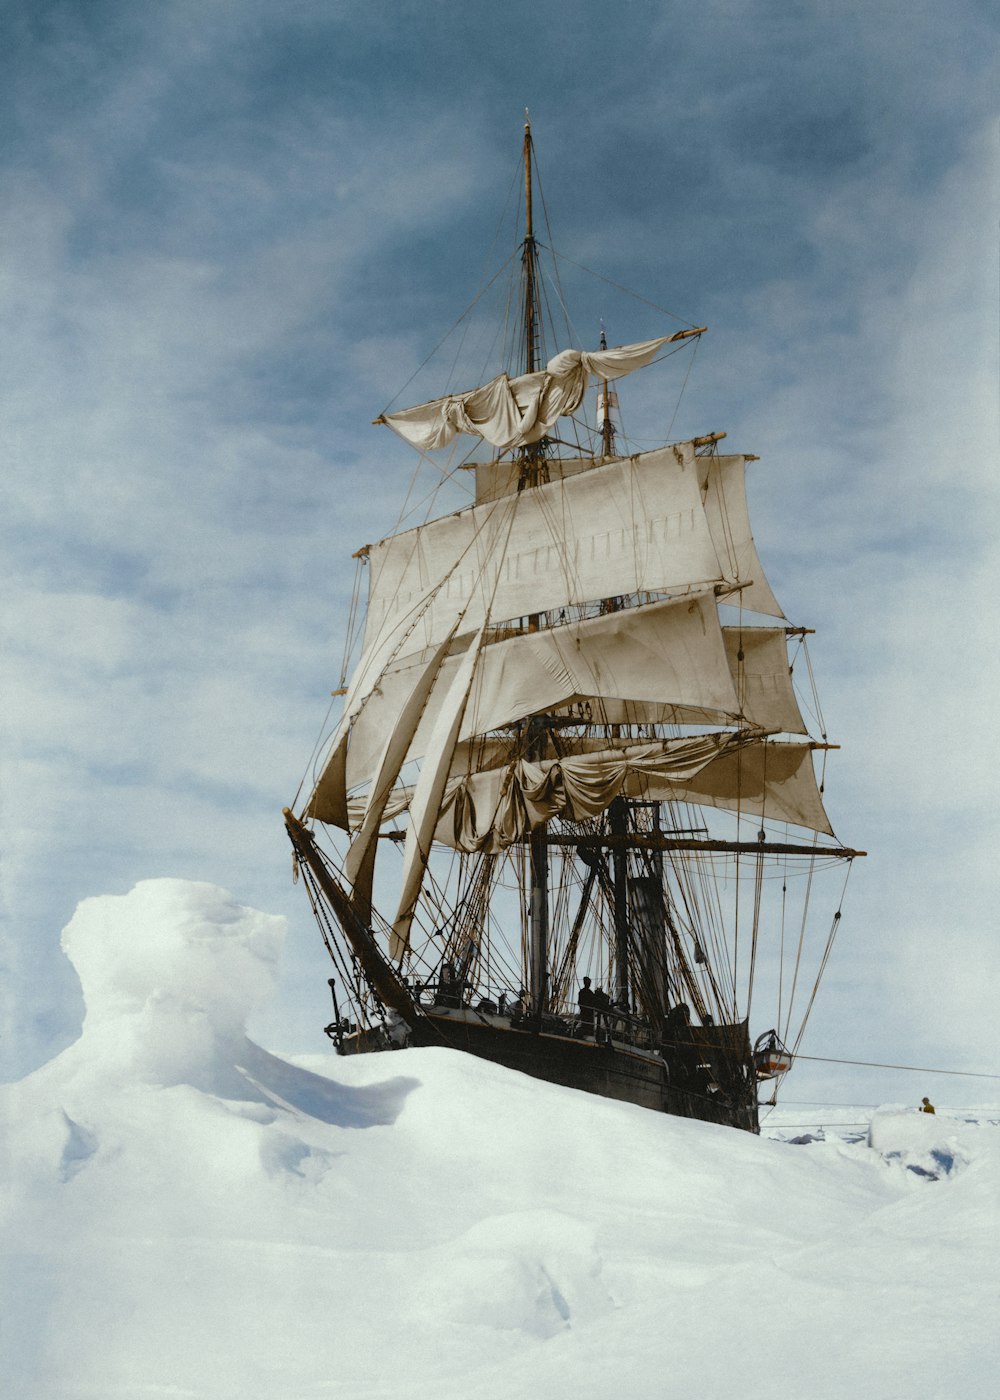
{"x": 515, "y": 412}
{"x": 488, "y": 811}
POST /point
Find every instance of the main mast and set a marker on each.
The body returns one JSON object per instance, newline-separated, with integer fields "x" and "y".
{"x": 528, "y": 261}
{"x": 532, "y": 472}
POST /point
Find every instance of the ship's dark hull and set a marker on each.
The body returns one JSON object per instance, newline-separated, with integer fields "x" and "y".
{"x": 608, "y": 1068}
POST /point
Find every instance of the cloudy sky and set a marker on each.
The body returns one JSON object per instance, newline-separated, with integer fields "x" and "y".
{"x": 232, "y": 231}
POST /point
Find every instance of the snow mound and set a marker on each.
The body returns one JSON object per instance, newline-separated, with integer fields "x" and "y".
{"x": 923, "y": 1143}
{"x": 170, "y": 973}
{"x": 173, "y": 945}
{"x": 188, "y": 1215}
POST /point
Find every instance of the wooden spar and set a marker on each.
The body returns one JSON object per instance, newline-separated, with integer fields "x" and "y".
{"x": 653, "y": 841}
{"x": 385, "y": 981}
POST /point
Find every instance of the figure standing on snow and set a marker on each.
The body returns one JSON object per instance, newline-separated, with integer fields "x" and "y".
{"x": 925, "y": 1105}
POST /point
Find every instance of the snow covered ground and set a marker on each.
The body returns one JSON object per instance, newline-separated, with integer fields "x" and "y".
{"x": 189, "y": 1216}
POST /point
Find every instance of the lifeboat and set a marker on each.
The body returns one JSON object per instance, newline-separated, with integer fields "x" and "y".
{"x": 770, "y": 1056}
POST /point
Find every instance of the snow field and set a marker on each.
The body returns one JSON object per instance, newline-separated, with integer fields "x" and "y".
{"x": 188, "y": 1215}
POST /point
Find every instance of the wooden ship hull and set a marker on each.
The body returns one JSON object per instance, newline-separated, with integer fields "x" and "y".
{"x": 705, "y": 1072}
{"x": 593, "y": 1062}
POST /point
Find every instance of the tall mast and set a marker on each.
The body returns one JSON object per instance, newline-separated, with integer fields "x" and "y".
{"x": 532, "y": 455}
{"x": 528, "y": 257}
{"x": 532, "y": 473}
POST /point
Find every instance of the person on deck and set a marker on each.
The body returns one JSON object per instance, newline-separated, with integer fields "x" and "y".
{"x": 602, "y": 1006}
{"x": 586, "y": 1002}
{"x": 925, "y": 1105}
{"x": 449, "y": 991}
{"x": 678, "y": 1048}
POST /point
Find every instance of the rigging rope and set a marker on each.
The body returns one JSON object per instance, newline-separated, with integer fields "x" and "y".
{"x": 834, "y": 926}
{"x": 801, "y": 943}
{"x": 472, "y": 305}
{"x": 561, "y": 257}
{"x": 687, "y": 376}
{"x": 912, "y": 1069}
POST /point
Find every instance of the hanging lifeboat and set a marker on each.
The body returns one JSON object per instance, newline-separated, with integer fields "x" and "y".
{"x": 770, "y": 1057}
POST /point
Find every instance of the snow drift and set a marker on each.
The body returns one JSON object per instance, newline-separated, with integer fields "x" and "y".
{"x": 191, "y": 1216}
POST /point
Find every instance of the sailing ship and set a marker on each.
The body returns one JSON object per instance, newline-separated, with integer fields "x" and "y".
{"x": 571, "y": 799}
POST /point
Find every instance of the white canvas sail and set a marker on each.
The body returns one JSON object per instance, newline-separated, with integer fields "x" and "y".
{"x": 723, "y": 483}
{"x": 664, "y": 663}
{"x": 761, "y": 677}
{"x": 632, "y": 525}
{"x": 758, "y": 660}
{"x": 426, "y": 804}
{"x": 359, "y": 864}
{"x": 500, "y": 478}
{"x": 771, "y": 781}
{"x": 671, "y": 651}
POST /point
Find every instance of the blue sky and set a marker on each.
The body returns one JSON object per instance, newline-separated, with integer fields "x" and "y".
{"x": 233, "y": 231}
